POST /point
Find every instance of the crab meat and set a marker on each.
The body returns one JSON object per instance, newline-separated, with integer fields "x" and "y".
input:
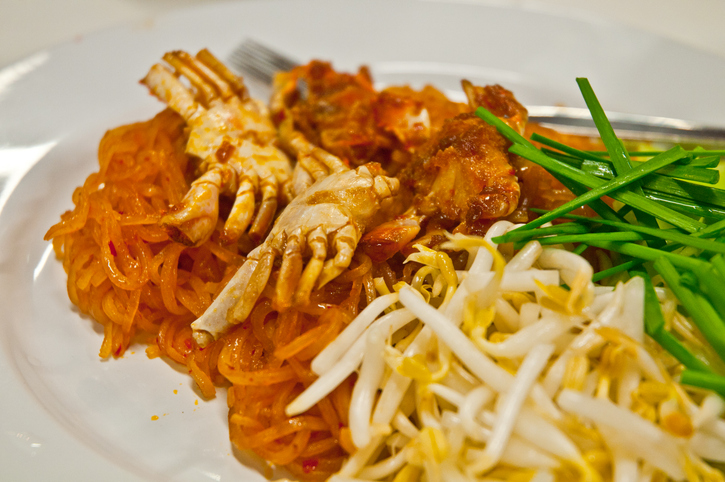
{"x": 235, "y": 139}
{"x": 323, "y": 226}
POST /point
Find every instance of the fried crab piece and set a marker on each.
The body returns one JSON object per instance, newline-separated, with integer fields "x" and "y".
{"x": 343, "y": 114}
{"x": 322, "y": 226}
{"x": 333, "y": 110}
{"x": 413, "y": 116}
{"x": 464, "y": 173}
{"x": 235, "y": 139}
{"x": 499, "y": 101}
{"x": 462, "y": 176}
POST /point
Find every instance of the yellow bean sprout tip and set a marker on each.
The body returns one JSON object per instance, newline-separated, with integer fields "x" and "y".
{"x": 415, "y": 367}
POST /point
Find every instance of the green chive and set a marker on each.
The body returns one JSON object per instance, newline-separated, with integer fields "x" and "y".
{"x": 602, "y": 209}
{"x": 503, "y": 128}
{"x": 580, "y": 249}
{"x": 564, "y": 148}
{"x": 709, "y": 381}
{"x": 712, "y": 230}
{"x": 654, "y": 323}
{"x": 626, "y": 266}
{"x": 686, "y": 206}
{"x": 705, "y": 161}
{"x": 699, "y": 308}
{"x": 617, "y": 152}
{"x": 696, "y": 174}
{"x": 517, "y": 234}
{"x": 687, "y": 190}
{"x": 666, "y": 234}
{"x": 527, "y": 150}
{"x": 651, "y": 254}
{"x": 591, "y": 238}
{"x": 609, "y": 187}
{"x": 627, "y": 197}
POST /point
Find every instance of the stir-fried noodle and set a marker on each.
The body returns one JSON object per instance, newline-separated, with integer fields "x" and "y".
{"x": 128, "y": 275}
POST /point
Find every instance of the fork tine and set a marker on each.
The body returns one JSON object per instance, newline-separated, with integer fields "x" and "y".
{"x": 259, "y": 61}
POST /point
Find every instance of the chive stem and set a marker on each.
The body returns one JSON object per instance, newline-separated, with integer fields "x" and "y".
{"x": 666, "y": 234}
{"x": 651, "y": 254}
{"x": 565, "y": 228}
{"x": 591, "y": 238}
{"x": 626, "y": 266}
{"x": 709, "y": 381}
{"x": 654, "y": 322}
{"x": 566, "y": 149}
{"x": 600, "y": 187}
{"x": 702, "y": 312}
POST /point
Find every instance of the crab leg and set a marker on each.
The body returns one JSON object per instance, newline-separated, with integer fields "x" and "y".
{"x": 195, "y": 218}
{"x": 222, "y": 71}
{"x": 306, "y": 150}
{"x": 204, "y": 79}
{"x": 171, "y": 91}
{"x": 313, "y": 163}
{"x": 214, "y": 322}
{"x": 345, "y": 241}
{"x": 317, "y": 241}
{"x": 255, "y": 286}
{"x": 289, "y": 273}
{"x": 242, "y": 210}
{"x": 267, "y": 208}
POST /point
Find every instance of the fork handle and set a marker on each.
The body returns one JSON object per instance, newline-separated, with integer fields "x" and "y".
{"x": 576, "y": 120}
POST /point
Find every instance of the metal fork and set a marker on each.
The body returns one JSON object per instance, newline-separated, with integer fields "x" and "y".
{"x": 261, "y": 62}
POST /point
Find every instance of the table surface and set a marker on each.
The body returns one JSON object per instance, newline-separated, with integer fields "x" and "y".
{"x": 28, "y": 26}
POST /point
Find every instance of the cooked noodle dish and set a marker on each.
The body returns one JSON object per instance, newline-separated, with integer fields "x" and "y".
{"x": 393, "y": 286}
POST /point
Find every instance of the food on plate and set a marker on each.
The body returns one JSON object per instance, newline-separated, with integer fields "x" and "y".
{"x": 394, "y": 286}
{"x": 124, "y": 269}
{"x": 234, "y": 138}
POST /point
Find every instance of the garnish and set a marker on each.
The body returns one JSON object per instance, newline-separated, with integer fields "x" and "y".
{"x": 667, "y": 223}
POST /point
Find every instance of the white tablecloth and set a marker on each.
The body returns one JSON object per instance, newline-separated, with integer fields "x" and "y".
{"x": 27, "y": 26}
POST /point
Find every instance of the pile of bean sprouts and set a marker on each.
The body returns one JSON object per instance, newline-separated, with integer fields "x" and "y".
{"x": 516, "y": 368}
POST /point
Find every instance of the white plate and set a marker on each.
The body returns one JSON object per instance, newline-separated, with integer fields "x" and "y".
{"x": 68, "y": 415}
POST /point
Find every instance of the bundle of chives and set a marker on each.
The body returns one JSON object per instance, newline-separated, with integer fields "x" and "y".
{"x": 525, "y": 149}
{"x": 658, "y": 193}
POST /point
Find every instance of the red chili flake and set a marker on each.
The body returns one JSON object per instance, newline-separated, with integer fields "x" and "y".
{"x": 112, "y": 248}
{"x": 119, "y": 350}
{"x": 187, "y": 342}
{"x": 309, "y": 465}
{"x": 254, "y": 350}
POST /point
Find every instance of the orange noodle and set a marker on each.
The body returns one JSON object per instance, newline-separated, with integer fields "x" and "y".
{"x": 267, "y": 359}
{"x": 141, "y": 285}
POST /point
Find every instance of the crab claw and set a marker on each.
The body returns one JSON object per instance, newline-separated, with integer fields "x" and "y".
{"x": 315, "y": 236}
{"x": 236, "y": 140}
{"x": 193, "y": 220}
